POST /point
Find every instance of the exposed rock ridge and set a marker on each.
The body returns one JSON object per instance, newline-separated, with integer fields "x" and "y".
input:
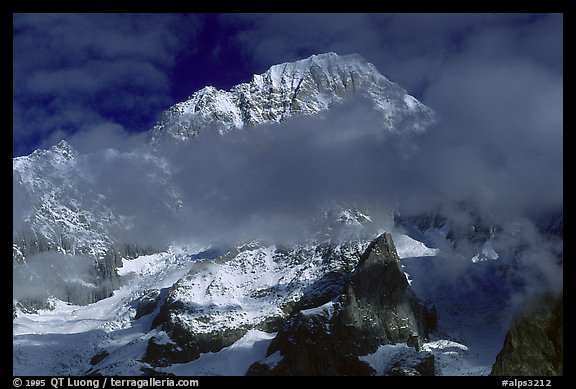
{"x": 376, "y": 308}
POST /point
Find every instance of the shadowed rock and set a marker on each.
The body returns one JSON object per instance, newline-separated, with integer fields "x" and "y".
{"x": 377, "y": 307}
{"x": 534, "y": 343}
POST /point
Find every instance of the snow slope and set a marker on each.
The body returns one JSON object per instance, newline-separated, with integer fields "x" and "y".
{"x": 73, "y": 334}
{"x": 247, "y": 286}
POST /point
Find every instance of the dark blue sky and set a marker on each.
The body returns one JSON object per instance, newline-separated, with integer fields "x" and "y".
{"x": 115, "y": 73}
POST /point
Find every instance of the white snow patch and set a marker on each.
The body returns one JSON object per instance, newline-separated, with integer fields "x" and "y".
{"x": 158, "y": 271}
{"x": 406, "y": 247}
{"x": 443, "y": 344}
{"x": 411, "y": 102}
{"x": 486, "y": 253}
{"x": 230, "y": 361}
{"x": 324, "y": 310}
{"x": 142, "y": 266}
{"x": 408, "y": 278}
{"x": 454, "y": 359}
{"x": 384, "y": 358}
{"x": 451, "y": 358}
{"x": 276, "y": 73}
{"x": 273, "y": 360}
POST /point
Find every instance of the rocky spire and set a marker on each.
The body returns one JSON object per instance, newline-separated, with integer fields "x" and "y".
{"x": 378, "y": 307}
{"x": 534, "y": 343}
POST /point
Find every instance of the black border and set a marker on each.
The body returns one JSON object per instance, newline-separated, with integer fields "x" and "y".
{"x": 565, "y": 6}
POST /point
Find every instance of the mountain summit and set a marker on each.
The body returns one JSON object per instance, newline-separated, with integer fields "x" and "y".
{"x": 304, "y": 87}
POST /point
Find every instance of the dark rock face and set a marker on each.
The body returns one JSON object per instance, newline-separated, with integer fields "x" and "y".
{"x": 378, "y": 305}
{"x": 534, "y": 343}
{"x": 96, "y": 359}
{"x": 376, "y": 308}
{"x": 418, "y": 366}
{"x": 309, "y": 347}
{"x": 147, "y": 303}
{"x": 186, "y": 345}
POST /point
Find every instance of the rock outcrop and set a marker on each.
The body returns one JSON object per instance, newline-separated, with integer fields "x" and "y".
{"x": 417, "y": 365}
{"x": 534, "y": 343}
{"x": 249, "y": 287}
{"x": 377, "y": 307}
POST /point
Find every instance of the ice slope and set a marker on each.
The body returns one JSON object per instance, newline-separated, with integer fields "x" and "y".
{"x": 62, "y": 341}
{"x": 72, "y": 335}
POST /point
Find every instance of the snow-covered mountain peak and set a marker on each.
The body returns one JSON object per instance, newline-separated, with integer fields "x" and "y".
{"x": 58, "y": 154}
{"x": 65, "y": 149}
{"x": 327, "y": 64}
{"x": 304, "y": 87}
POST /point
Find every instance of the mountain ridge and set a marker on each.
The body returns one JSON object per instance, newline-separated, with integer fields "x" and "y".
{"x": 305, "y": 87}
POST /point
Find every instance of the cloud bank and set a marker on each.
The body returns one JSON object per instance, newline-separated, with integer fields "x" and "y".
{"x": 76, "y": 71}
{"x": 492, "y": 149}
{"x": 495, "y": 81}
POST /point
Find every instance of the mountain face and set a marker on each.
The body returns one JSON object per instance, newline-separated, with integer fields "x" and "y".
{"x": 67, "y": 217}
{"x": 100, "y": 290}
{"x": 48, "y": 186}
{"x": 305, "y": 87}
{"x": 249, "y": 288}
{"x": 56, "y": 216}
{"x": 534, "y": 344}
{"x": 376, "y": 307}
